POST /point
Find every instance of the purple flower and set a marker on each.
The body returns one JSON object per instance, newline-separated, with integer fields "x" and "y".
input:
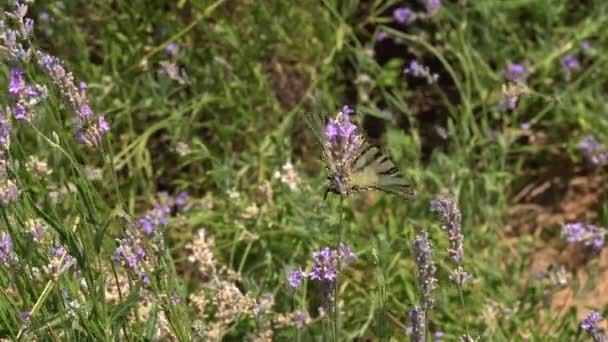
{"x": 345, "y": 254}
{"x": 515, "y": 73}
{"x": 347, "y": 110}
{"x": 89, "y": 130}
{"x": 102, "y": 125}
{"x": 419, "y": 70}
{"x": 44, "y": 16}
{"x": 85, "y": 112}
{"x": 594, "y": 151}
{"x": 451, "y": 219}
{"x": 5, "y": 130}
{"x": 16, "y": 82}
{"x": 590, "y": 325}
{"x": 588, "y": 234}
{"x": 6, "y": 249}
{"x": 432, "y": 5}
{"x": 403, "y": 15}
{"x": 324, "y": 268}
{"x": 570, "y": 63}
{"x": 327, "y": 262}
{"x": 574, "y": 231}
{"x": 586, "y": 45}
{"x": 417, "y": 324}
{"x": 423, "y": 250}
{"x": 296, "y": 277}
{"x": 415, "y": 68}
{"x": 380, "y": 36}
{"x": 20, "y": 112}
{"x": 171, "y": 49}
{"x": 28, "y": 27}
{"x": 182, "y": 201}
{"x": 131, "y": 254}
{"x": 25, "y": 315}
{"x": 438, "y": 335}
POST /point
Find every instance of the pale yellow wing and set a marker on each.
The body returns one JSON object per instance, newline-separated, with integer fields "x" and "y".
{"x": 374, "y": 170}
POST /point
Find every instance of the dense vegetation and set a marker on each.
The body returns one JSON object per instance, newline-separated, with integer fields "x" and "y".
{"x": 159, "y": 181}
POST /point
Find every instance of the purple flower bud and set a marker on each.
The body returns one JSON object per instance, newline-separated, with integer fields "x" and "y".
{"x": 403, "y": 15}
{"x": 25, "y": 315}
{"x": 515, "y": 73}
{"x": 380, "y": 36}
{"x": 6, "y": 249}
{"x": 171, "y": 49}
{"x": 29, "y": 26}
{"x": 85, "y": 112}
{"x": 16, "y": 83}
{"x": 432, "y": 5}
{"x": 20, "y": 112}
{"x": 296, "y": 277}
{"x": 586, "y": 46}
{"x": 103, "y": 125}
{"x": 570, "y": 63}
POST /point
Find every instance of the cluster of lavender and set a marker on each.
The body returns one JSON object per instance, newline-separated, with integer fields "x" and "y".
{"x": 570, "y": 64}
{"x": 451, "y": 219}
{"x": 590, "y": 325}
{"x": 89, "y": 129}
{"x": 420, "y": 71}
{"x": 58, "y": 259}
{"x": 590, "y": 235}
{"x": 25, "y": 96}
{"x": 7, "y": 256}
{"x": 344, "y": 141}
{"x": 327, "y": 263}
{"x": 405, "y": 15}
{"x": 144, "y": 237}
{"x": 518, "y": 74}
{"x": 594, "y": 151}
{"x": 423, "y": 251}
{"x": 15, "y": 40}
{"x": 59, "y": 262}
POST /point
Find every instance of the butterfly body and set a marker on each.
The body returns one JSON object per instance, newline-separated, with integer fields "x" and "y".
{"x": 353, "y": 165}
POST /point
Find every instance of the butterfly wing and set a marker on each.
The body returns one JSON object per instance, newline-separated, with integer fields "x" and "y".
{"x": 316, "y": 123}
{"x": 374, "y": 170}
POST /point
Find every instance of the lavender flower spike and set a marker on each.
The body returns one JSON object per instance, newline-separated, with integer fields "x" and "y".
{"x": 423, "y": 250}
{"x": 451, "y": 219}
{"x": 589, "y": 325}
{"x": 417, "y": 325}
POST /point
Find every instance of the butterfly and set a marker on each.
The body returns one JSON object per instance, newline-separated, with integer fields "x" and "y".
{"x": 353, "y": 164}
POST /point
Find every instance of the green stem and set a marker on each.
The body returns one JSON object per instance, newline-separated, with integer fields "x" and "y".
{"x": 336, "y": 283}
{"x": 466, "y": 320}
